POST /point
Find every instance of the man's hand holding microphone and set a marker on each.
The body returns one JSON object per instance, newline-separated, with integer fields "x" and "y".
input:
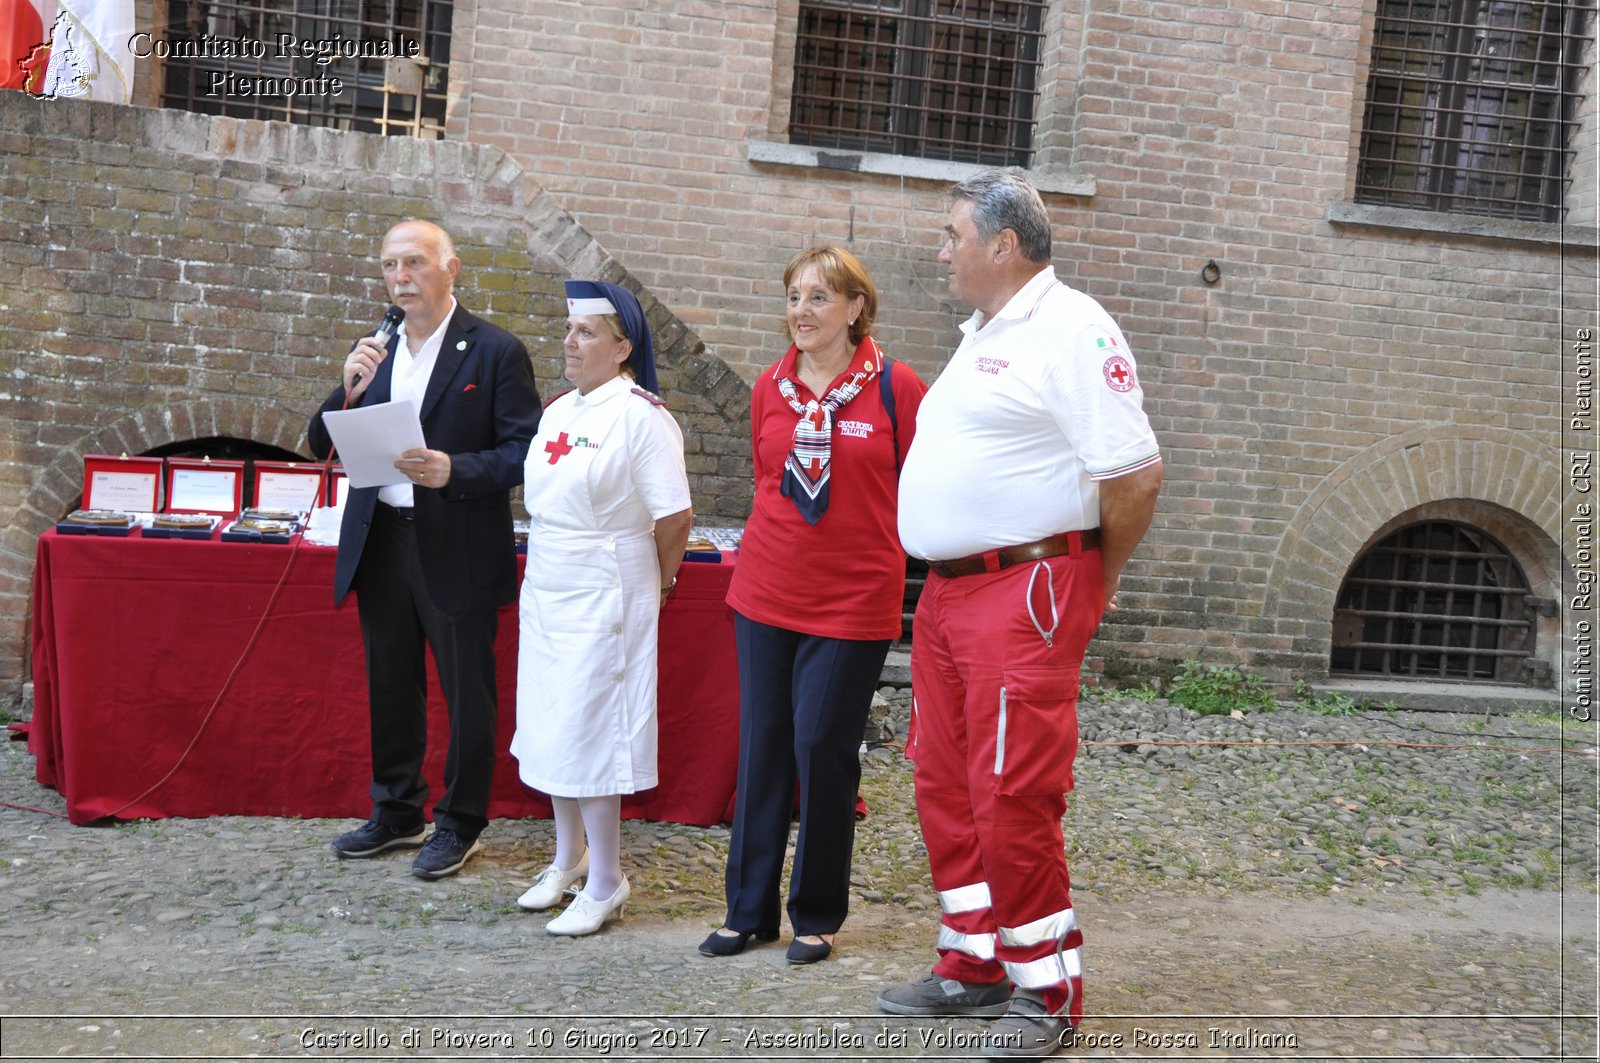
{"x": 369, "y": 351}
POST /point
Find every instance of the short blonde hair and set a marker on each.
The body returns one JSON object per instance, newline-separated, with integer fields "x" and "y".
{"x": 844, "y": 273}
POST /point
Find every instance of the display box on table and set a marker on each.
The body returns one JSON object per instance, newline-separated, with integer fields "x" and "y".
{"x": 181, "y": 526}
{"x": 201, "y": 485}
{"x": 290, "y": 485}
{"x": 122, "y": 484}
{"x": 714, "y": 544}
{"x": 115, "y": 488}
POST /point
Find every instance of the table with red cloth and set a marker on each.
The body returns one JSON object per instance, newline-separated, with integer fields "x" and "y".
{"x": 134, "y": 637}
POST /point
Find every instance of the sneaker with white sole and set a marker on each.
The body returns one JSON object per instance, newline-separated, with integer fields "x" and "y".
{"x": 444, "y": 854}
{"x": 946, "y": 996}
{"x": 1027, "y": 1030}
{"x": 372, "y": 838}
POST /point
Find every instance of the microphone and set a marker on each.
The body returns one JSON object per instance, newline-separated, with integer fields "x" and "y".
{"x": 386, "y": 330}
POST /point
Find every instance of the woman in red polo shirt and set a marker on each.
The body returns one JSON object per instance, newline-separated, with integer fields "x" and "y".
{"x": 817, "y": 600}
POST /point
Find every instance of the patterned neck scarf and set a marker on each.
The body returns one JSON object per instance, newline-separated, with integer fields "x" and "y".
{"x": 805, "y": 471}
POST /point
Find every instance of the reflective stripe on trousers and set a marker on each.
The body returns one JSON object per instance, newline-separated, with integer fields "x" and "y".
{"x": 961, "y": 908}
{"x": 1050, "y": 970}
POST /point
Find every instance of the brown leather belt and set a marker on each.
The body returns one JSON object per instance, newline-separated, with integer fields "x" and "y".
{"x": 1072, "y": 542}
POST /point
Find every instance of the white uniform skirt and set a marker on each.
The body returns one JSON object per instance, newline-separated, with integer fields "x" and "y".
{"x": 586, "y": 664}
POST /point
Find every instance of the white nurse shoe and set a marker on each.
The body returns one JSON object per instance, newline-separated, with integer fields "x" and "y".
{"x": 585, "y": 915}
{"x": 553, "y": 884}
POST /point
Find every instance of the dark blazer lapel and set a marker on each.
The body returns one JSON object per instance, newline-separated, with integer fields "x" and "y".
{"x": 452, "y": 352}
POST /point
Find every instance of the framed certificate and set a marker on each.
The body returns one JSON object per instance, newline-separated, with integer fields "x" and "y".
{"x": 200, "y": 485}
{"x": 287, "y": 485}
{"x": 124, "y": 484}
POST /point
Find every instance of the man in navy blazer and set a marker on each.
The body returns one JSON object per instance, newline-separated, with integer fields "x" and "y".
{"x": 431, "y": 558}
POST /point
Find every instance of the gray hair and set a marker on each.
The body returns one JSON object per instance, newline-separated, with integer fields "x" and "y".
{"x": 1006, "y": 199}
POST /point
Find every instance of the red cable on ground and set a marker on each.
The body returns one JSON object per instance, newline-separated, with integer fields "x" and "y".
{"x": 227, "y": 684}
{"x": 31, "y": 808}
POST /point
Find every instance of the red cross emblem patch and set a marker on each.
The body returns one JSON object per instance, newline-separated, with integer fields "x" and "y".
{"x": 1118, "y": 373}
{"x": 558, "y": 448}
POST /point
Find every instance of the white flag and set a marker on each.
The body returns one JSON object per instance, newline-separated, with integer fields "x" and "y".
{"x": 90, "y": 56}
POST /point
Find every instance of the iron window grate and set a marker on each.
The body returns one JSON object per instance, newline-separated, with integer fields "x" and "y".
{"x": 936, "y": 79}
{"x": 258, "y": 78}
{"x": 1470, "y": 106}
{"x": 1437, "y": 600}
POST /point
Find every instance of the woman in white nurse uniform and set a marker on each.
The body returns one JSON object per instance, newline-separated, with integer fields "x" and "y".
{"x": 609, "y": 506}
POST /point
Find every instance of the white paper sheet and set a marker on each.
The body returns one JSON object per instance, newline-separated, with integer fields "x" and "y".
{"x": 322, "y": 528}
{"x": 370, "y": 439}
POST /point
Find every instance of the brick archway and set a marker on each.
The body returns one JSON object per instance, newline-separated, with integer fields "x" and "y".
{"x": 60, "y": 482}
{"x": 1501, "y": 478}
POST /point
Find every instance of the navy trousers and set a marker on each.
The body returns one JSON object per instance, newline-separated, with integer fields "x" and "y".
{"x": 803, "y": 702}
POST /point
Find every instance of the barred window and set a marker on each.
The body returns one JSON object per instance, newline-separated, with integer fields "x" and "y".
{"x": 1470, "y": 106}
{"x": 938, "y": 79}
{"x": 1437, "y": 600}
{"x": 375, "y": 66}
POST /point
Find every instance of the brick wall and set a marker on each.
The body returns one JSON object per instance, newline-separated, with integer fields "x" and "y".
{"x": 1221, "y": 132}
{"x": 1350, "y": 369}
{"x": 173, "y": 276}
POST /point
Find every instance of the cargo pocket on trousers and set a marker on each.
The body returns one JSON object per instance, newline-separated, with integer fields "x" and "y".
{"x": 1036, "y": 736}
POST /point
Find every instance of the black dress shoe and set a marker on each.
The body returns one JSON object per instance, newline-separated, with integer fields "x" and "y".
{"x": 720, "y": 944}
{"x": 800, "y": 952}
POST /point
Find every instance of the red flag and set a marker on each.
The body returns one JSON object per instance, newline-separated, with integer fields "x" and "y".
{"x": 24, "y": 41}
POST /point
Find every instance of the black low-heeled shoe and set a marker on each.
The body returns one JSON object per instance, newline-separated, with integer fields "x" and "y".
{"x": 801, "y": 952}
{"x": 720, "y": 944}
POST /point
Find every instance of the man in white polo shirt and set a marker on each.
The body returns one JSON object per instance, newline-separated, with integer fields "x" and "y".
{"x": 1033, "y": 476}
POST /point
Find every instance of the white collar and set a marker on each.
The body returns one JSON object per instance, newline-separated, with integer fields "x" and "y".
{"x": 436, "y": 335}
{"x": 1019, "y": 306}
{"x": 605, "y": 392}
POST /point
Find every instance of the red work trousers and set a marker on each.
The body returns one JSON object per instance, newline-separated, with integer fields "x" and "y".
{"x": 994, "y": 730}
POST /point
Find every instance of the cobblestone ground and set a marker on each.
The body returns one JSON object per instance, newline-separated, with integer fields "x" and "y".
{"x": 1275, "y": 902}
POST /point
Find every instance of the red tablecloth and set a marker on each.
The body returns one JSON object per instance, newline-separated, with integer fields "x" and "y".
{"x": 133, "y": 638}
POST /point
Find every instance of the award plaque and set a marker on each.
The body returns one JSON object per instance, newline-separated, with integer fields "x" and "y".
{"x": 181, "y": 526}
{"x": 129, "y": 485}
{"x": 256, "y": 530}
{"x": 714, "y": 544}
{"x": 287, "y": 485}
{"x": 200, "y": 485}
{"x": 97, "y": 522}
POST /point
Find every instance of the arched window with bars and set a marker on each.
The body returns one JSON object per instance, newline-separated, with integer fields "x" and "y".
{"x": 1437, "y": 600}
